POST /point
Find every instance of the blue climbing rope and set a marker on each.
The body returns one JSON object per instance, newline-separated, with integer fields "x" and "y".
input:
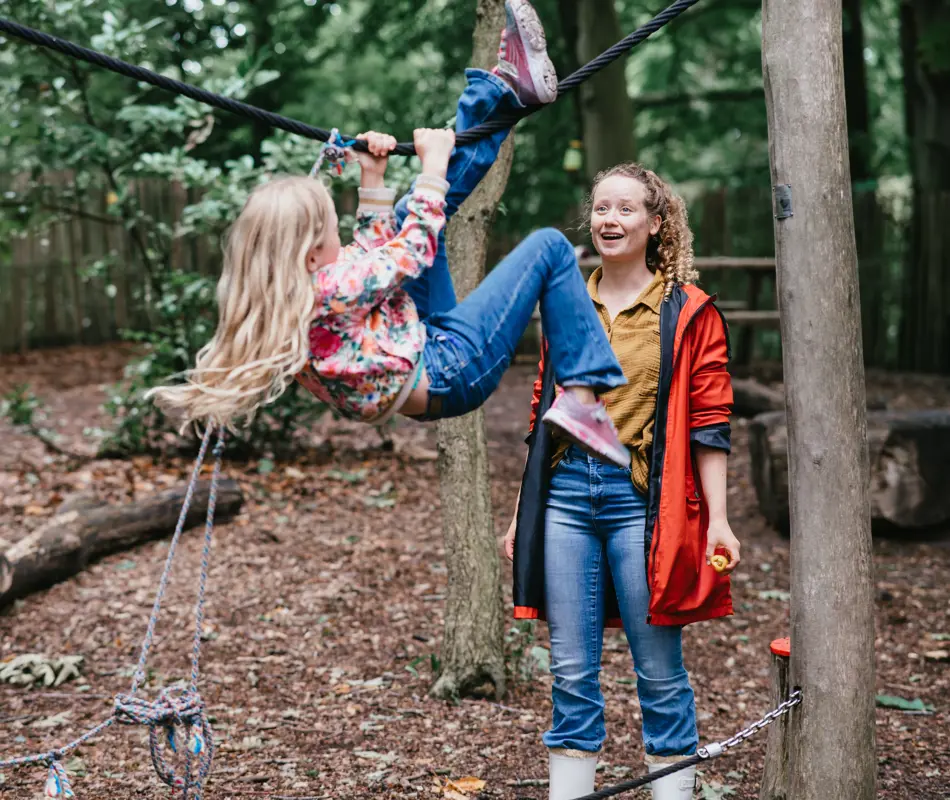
{"x": 175, "y": 707}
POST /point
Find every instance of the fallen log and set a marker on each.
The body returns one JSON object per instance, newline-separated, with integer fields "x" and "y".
{"x": 909, "y": 476}
{"x": 74, "y": 538}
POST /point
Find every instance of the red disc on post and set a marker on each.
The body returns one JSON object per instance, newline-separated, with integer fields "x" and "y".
{"x": 782, "y": 647}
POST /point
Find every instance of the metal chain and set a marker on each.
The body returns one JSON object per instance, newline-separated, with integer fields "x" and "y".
{"x": 706, "y": 753}
{"x": 715, "y": 750}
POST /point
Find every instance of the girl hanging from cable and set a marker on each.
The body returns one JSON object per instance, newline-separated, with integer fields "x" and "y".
{"x": 373, "y": 329}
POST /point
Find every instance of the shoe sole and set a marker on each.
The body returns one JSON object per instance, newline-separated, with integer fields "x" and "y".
{"x": 531, "y": 31}
{"x": 599, "y": 449}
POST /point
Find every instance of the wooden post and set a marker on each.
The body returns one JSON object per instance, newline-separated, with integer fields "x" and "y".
{"x": 775, "y": 768}
{"x": 831, "y": 750}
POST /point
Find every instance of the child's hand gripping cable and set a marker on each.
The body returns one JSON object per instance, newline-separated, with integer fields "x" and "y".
{"x": 366, "y": 273}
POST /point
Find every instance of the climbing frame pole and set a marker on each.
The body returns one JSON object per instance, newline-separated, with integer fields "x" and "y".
{"x": 831, "y": 750}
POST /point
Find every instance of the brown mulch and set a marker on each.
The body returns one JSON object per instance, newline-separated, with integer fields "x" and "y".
{"x": 325, "y": 609}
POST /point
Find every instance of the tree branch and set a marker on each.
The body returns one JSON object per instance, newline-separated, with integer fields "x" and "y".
{"x": 76, "y": 212}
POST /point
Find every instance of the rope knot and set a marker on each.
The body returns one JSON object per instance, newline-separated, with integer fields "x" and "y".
{"x": 333, "y": 152}
{"x": 175, "y": 706}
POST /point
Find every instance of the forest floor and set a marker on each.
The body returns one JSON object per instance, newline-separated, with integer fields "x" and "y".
{"x": 325, "y": 612}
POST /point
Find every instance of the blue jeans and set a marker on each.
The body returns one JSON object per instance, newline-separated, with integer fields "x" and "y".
{"x": 470, "y": 345}
{"x": 594, "y": 522}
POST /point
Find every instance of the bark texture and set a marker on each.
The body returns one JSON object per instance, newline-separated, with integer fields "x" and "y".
{"x": 832, "y": 621}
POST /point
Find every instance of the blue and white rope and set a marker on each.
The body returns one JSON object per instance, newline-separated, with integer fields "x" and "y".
{"x": 175, "y": 706}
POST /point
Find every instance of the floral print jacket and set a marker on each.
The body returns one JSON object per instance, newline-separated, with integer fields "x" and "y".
{"x": 366, "y": 337}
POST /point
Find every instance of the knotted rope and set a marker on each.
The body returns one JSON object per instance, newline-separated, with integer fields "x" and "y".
{"x": 333, "y": 152}
{"x": 175, "y": 706}
{"x": 500, "y": 123}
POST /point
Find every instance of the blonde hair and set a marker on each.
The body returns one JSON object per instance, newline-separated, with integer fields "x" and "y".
{"x": 265, "y": 302}
{"x": 670, "y": 250}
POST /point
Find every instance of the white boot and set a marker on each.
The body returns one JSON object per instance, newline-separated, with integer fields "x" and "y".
{"x": 678, "y": 786}
{"x": 570, "y": 774}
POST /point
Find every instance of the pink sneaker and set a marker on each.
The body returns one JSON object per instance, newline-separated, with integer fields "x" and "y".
{"x": 523, "y": 55}
{"x": 589, "y": 427}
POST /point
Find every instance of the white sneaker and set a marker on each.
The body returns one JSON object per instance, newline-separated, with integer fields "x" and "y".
{"x": 570, "y": 774}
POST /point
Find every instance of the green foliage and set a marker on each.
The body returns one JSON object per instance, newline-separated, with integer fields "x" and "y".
{"x": 19, "y": 405}
{"x": 524, "y": 657}
{"x": 892, "y": 701}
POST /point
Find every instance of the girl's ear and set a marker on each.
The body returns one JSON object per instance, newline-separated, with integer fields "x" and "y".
{"x": 655, "y": 225}
{"x": 313, "y": 259}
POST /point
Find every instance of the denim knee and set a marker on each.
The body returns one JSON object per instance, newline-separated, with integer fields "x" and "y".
{"x": 552, "y": 239}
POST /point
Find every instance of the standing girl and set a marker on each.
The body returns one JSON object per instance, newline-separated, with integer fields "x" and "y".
{"x": 597, "y": 544}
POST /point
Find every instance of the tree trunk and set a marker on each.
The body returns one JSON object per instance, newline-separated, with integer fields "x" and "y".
{"x": 262, "y": 54}
{"x": 909, "y": 476}
{"x": 473, "y": 662}
{"x": 856, "y": 93}
{"x": 925, "y": 318}
{"x": 832, "y": 619}
{"x": 79, "y": 535}
{"x": 606, "y": 106}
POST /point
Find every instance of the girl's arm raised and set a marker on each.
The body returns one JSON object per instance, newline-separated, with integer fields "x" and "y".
{"x": 367, "y": 280}
{"x": 375, "y": 220}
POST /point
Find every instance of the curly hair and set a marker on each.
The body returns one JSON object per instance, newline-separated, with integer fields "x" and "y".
{"x": 670, "y": 249}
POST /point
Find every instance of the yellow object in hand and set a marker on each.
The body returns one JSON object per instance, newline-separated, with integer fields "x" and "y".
{"x": 719, "y": 563}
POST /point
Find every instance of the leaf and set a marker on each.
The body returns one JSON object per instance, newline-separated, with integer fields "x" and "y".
{"x": 349, "y": 477}
{"x": 893, "y": 701}
{"x": 251, "y": 743}
{"x": 940, "y": 637}
{"x": 541, "y": 657}
{"x": 76, "y": 766}
{"x": 716, "y": 791}
{"x": 69, "y": 667}
{"x": 53, "y": 722}
{"x": 372, "y": 755}
{"x": 379, "y": 502}
{"x": 265, "y": 466}
{"x": 467, "y": 785}
{"x": 775, "y": 594}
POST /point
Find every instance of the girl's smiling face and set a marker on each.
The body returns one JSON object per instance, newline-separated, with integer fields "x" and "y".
{"x": 619, "y": 223}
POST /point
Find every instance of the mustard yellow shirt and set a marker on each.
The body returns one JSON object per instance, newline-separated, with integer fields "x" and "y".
{"x": 634, "y": 335}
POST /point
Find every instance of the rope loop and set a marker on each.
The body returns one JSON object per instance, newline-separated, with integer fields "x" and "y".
{"x": 175, "y": 707}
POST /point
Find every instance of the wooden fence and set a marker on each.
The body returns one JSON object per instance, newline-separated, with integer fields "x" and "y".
{"x": 48, "y": 296}
{"x": 81, "y": 279}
